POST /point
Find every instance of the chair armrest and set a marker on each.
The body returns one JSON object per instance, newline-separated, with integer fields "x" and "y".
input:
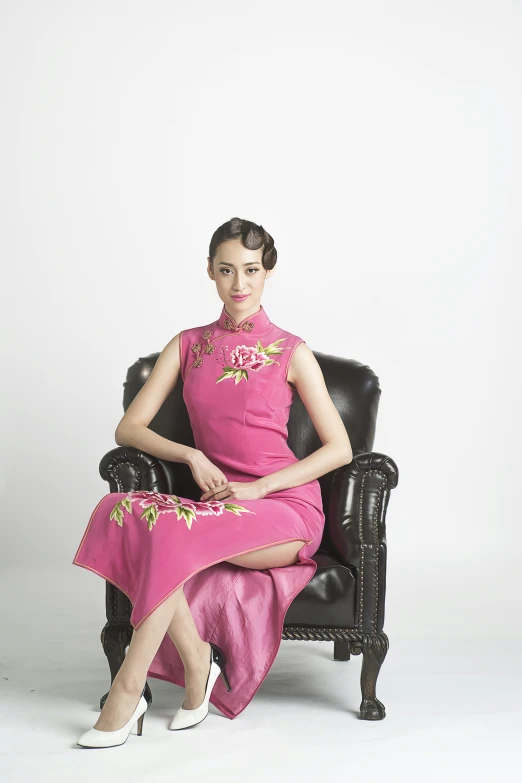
{"x": 356, "y": 521}
{"x": 128, "y": 469}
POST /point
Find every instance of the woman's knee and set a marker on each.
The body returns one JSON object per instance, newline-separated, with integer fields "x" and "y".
{"x": 271, "y": 556}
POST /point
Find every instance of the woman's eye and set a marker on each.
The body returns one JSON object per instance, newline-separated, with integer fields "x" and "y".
{"x": 252, "y": 269}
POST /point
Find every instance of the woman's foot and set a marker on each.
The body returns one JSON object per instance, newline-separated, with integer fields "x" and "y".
{"x": 119, "y": 706}
{"x": 196, "y": 676}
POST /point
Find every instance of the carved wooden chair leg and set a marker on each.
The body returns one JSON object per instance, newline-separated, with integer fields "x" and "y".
{"x": 115, "y": 639}
{"x": 374, "y": 648}
{"x": 341, "y": 650}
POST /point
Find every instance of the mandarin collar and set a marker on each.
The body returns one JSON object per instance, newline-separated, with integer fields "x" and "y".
{"x": 257, "y": 323}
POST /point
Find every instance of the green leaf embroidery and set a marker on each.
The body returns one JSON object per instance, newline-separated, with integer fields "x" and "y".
{"x": 272, "y": 348}
{"x": 150, "y": 515}
{"x": 235, "y": 509}
{"x": 187, "y": 514}
{"x": 228, "y": 372}
{"x": 117, "y": 513}
{"x": 151, "y": 512}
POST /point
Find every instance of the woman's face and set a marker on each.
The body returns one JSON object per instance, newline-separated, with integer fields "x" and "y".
{"x": 237, "y": 271}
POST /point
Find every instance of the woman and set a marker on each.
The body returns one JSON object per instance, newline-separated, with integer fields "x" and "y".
{"x": 228, "y": 566}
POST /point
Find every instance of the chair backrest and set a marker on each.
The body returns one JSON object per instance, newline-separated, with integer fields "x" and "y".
{"x": 353, "y": 387}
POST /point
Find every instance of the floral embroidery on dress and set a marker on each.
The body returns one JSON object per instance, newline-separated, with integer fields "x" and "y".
{"x": 245, "y": 357}
{"x": 242, "y": 358}
{"x": 156, "y": 503}
{"x": 209, "y": 348}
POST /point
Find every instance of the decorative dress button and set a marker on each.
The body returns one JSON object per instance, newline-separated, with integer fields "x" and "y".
{"x": 230, "y": 325}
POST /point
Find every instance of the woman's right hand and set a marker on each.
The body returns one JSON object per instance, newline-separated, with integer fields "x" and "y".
{"x": 205, "y": 473}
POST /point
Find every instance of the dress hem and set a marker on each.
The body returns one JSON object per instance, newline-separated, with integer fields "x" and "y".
{"x": 301, "y": 561}
{"x": 208, "y": 565}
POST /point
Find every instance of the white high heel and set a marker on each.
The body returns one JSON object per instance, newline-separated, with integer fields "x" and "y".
{"x": 94, "y": 738}
{"x": 184, "y": 719}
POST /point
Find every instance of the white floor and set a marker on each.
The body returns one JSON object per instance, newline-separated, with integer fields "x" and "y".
{"x": 453, "y": 708}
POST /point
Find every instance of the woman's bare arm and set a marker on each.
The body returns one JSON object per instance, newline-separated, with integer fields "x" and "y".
{"x": 306, "y": 375}
{"x": 133, "y": 429}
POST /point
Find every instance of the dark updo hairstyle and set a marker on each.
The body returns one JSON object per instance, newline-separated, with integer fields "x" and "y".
{"x": 251, "y": 235}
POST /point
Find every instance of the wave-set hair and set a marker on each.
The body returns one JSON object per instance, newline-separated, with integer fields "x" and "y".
{"x": 251, "y": 235}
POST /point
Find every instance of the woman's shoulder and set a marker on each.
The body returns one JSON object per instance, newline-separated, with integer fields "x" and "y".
{"x": 198, "y": 330}
{"x": 287, "y": 335}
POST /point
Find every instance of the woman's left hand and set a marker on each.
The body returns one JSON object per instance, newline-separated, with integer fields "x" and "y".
{"x": 235, "y": 490}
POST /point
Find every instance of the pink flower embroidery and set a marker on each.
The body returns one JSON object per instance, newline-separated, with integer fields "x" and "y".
{"x": 246, "y": 357}
{"x": 156, "y": 503}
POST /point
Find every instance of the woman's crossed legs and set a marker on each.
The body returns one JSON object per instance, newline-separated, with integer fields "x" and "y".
{"x": 173, "y": 616}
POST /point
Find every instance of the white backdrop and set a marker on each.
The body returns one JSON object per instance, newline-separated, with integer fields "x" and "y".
{"x": 379, "y": 144}
{"x": 376, "y": 145}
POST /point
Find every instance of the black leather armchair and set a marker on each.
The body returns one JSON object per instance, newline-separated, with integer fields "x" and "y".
{"x": 344, "y": 601}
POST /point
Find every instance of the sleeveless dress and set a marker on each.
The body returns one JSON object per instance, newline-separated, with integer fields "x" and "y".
{"x": 147, "y": 543}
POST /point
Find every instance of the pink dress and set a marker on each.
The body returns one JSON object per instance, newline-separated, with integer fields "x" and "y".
{"x": 147, "y": 543}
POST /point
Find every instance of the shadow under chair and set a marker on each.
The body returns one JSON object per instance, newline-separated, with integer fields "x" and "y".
{"x": 344, "y": 601}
